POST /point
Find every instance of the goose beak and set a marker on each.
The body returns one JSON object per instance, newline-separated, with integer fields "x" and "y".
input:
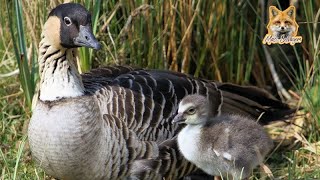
{"x": 179, "y": 118}
{"x": 86, "y": 38}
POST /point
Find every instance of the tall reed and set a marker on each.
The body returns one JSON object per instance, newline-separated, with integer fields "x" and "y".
{"x": 20, "y": 49}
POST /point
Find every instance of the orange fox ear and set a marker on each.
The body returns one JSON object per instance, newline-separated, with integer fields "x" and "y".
{"x": 273, "y": 11}
{"x": 291, "y": 11}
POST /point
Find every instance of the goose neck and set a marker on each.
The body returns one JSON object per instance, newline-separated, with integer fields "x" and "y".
{"x": 59, "y": 76}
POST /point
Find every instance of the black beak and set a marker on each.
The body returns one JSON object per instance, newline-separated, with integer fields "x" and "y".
{"x": 86, "y": 38}
{"x": 179, "y": 118}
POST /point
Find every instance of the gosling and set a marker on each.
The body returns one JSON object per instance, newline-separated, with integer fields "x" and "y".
{"x": 227, "y": 145}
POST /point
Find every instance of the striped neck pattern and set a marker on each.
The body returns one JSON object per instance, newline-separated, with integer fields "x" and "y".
{"x": 58, "y": 72}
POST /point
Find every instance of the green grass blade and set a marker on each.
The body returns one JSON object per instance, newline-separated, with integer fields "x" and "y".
{"x": 20, "y": 50}
{"x": 20, "y": 151}
{"x": 3, "y": 157}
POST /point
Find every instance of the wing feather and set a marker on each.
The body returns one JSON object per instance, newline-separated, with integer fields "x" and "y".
{"x": 140, "y": 105}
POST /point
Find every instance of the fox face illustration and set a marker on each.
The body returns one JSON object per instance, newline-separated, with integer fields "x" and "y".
{"x": 282, "y": 24}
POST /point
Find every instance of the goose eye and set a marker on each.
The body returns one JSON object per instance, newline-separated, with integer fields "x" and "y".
{"x": 191, "y": 111}
{"x": 67, "y": 21}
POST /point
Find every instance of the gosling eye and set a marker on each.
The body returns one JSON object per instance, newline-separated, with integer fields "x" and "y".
{"x": 67, "y": 21}
{"x": 191, "y": 111}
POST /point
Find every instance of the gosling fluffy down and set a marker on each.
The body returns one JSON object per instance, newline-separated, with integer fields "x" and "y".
{"x": 228, "y": 145}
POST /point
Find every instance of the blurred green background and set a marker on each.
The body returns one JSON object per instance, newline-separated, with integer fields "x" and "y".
{"x": 219, "y": 40}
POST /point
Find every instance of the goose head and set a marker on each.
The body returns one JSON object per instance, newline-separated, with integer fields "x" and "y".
{"x": 69, "y": 26}
{"x": 193, "y": 110}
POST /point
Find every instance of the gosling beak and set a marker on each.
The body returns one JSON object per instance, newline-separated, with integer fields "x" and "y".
{"x": 86, "y": 38}
{"x": 179, "y": 118}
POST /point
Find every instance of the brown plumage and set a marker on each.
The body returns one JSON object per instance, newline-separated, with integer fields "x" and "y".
{"x": 82, "y": 122}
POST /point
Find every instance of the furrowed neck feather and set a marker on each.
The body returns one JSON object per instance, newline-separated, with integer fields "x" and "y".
{"x": 58, "y": 72}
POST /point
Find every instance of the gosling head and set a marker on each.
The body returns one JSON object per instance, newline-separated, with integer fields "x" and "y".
{"x": 193, "y": 109}
{"x": 69, "y": 26}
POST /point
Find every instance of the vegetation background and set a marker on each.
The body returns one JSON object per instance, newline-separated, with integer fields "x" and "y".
{"x": 219, "y": 40}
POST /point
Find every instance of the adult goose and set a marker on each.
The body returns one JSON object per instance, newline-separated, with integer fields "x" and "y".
{"x": 95, "y": 125}
{"x": 228, "y": 145}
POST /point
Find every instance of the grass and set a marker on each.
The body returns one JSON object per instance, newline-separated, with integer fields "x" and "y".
{"x": 220, "y": 41}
